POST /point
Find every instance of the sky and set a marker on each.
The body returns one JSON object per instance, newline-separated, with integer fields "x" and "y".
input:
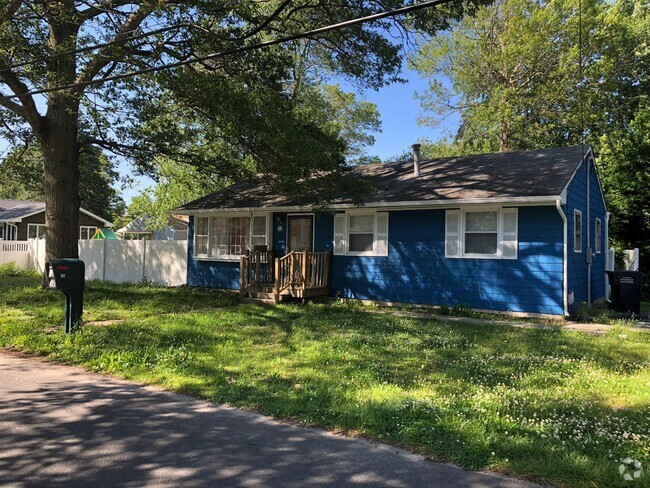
{"x": 398, "y": 110}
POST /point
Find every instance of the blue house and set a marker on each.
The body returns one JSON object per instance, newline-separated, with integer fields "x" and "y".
{"x": 522, "y": 231}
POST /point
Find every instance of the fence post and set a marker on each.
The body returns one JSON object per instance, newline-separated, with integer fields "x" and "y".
{"x": 104, "y": 261}
{"x": 241, "y": 275}
{"x": 144, "y": 256}
{"x": 304, "y": 270}
{"x": 276, "y": 284}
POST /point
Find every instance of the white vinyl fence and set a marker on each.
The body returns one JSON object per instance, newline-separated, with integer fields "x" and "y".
{"x": 117, "y": 261}
{"x": 26, "y": 254}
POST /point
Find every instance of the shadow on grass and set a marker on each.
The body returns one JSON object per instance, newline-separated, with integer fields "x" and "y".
{"x": 78, "y": 433}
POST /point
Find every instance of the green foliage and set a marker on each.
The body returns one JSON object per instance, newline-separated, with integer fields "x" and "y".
{"x": 515, "y": 80}
{"x": 231, "y": 116}
{"x": 513, "y": 73}
{"x": 177, "y": 184}
{"x": 12, "y": 270}
{"x": 21, "y": 178}
{"x": 549, "y": 406}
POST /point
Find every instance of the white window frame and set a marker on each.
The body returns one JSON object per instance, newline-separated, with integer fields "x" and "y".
{"x": 230, "y": 257}
{"x": 87, "y": 227}
{"x": 461, "y": 214}
{"x": 38, "y": 227}
{"x": 11, "y": 232}
{"x": 376, "y": 235}
{"x": 207, "y": 236}
{"x": 577, "y": 241}
{"x": 598, "y": 235}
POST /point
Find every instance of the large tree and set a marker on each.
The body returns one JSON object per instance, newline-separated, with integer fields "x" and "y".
{"x": 72, "y": 48}
{"x": 513, "y": 74}
{"x": 517, "y": 82}
{"x": 21, "y": 177}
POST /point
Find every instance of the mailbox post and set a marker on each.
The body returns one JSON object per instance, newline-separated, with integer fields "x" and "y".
{"x": 68, "y": 275}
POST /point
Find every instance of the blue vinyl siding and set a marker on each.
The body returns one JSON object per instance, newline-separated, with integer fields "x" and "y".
{"x": 225, "y": 274}
{"x": 416, "y": 270}
{"x": 209, "y": 274}
{"x": 577, "y": 262}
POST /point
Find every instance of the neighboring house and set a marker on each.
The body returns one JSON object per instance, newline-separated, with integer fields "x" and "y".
{"x": 21, "y": 220}
{"x": 522, "y": 231}
{"x": 139, "y": 228}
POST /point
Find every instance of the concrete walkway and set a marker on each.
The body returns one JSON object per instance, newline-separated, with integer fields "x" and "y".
{"x": 62, "y": 426}
{"x": 588, "y": 328}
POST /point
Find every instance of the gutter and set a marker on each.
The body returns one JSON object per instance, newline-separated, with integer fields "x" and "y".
{"x": 565, "y": 268}
{"x": 415, "y": 205}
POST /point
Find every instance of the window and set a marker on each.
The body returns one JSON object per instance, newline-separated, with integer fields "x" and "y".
{"x": 228, "y": 238}
{"x": 361, "y": 233}
{"x": 481, "y": 233}
{"x": 597, "y": 239}
{"x": 577, "y": 231}
{"x": 201, "y": 237}
{"x": 35, "y": 231}
{"x": 86, "y": 232}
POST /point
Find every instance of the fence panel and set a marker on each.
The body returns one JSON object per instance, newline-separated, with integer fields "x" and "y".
{"x": 92, "y": 254}
{"x": 17, "y": 252}
{"x": 166, "y": 262}
{"x": 124, "y": 261}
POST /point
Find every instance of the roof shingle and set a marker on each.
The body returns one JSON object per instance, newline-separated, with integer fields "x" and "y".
{"x": 536, "y": 173}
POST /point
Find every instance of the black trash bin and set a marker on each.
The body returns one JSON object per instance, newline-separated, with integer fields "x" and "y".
{"x": 626, "y": 291}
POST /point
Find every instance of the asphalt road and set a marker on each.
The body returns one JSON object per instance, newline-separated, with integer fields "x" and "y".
{"x": 62, "y": 426}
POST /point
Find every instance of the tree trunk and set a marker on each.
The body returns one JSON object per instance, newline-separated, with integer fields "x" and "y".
{"x": 61, "y": 158}
{"x": 59, "y": 140}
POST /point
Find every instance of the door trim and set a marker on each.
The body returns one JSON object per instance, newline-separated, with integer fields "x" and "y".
{"x": 313, "y": 229}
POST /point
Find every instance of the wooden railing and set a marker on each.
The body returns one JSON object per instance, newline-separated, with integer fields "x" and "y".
{"x": 301, "y": 270}
{"x": 255, "y": 269}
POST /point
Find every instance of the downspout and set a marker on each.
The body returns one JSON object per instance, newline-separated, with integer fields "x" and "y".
{"x": 565, "y": 267}
{"x": 589, "y": 255}
{"x": 607, "y": 288}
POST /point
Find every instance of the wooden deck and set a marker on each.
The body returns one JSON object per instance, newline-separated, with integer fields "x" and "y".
{"x": 302, "y": 275}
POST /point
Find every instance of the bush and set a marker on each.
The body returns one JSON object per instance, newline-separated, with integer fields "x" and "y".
{"x": 12, "y": 270}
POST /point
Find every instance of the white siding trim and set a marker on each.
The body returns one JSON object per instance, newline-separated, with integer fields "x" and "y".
{"x": 462, "y": 215}
{"x": 342, "y": 241}
{"x": 406, "y": 205}
{"x": 575, "y": 228}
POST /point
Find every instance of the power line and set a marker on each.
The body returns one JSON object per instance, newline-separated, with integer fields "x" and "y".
{"x": 93, "y": 47}
{"x": 132, "y": 36}
{"x": 240, "y": 49}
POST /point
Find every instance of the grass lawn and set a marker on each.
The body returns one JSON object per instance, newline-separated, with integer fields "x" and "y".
{"x": 544, "y": 405}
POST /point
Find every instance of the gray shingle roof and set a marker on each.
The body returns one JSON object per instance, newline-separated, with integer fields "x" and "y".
{"x": 536, "y": 173}
{"x": 11, "y": 210}
{"x": 16, "y": 209}
{"x": 141, "y": 224}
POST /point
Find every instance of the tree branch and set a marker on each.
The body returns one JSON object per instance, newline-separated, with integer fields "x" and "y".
{"x": 103, "y": 7}
{"x": 16, "y": 108}
{"x": 27, "y": 107}
{"x": 11, "y": 10}
{"x": 102, "y": 58}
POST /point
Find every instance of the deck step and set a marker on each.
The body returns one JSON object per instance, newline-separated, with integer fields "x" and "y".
{"x": 259, "y": 301}
{"x": 262, "y": 294}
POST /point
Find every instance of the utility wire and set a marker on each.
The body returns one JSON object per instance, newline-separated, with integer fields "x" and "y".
{"x": 132, "y": 36}
{"x": 80, "y": 50}
{"x": 240, "y": 49}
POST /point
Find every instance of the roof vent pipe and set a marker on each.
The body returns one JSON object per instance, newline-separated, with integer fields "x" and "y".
{"x": 416, "y": 159}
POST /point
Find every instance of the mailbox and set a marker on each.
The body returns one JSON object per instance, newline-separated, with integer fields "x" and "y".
{"x": 68, "y": 275}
